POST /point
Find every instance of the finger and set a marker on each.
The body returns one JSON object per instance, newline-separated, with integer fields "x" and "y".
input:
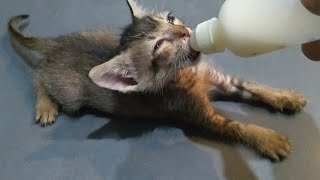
{"x": 312, "y": 5}
{"x": 312, "y": 50}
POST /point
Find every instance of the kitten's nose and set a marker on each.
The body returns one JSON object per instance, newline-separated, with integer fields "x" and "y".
{"x": 180, "y": 31}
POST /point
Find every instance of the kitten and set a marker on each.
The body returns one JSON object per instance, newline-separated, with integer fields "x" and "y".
{"x": 150, "y": 71}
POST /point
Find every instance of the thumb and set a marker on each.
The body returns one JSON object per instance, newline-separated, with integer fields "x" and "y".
{"x": 312, "y": 5}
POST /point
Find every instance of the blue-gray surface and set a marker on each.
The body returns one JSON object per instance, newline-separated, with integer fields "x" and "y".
{"x": 90, "y": 147}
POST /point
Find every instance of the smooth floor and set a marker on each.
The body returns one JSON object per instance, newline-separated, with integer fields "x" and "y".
{"x": 98, "y": 148}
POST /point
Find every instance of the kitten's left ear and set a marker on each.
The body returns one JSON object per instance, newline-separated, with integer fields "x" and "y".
{"x": 116, "y": 74}
{"x": 136, "y": 11}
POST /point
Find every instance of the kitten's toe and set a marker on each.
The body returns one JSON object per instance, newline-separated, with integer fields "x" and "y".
{"x": 292, "y": 100}
{"x": 298, "y": 101}
{"x": 46, "y": 114}
{"x": 274, "y": 145}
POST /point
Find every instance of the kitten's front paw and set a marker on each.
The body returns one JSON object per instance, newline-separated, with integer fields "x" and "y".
{"x": 273, "y": 145}
{"x": 46, "y": 113}
{"x": 289, "y": 100}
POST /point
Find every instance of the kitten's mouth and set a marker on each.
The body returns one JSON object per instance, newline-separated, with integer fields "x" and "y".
{"x": 194, "y": 55}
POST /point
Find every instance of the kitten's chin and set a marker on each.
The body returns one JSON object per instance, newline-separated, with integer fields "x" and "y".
{"x": 194, "y": 55}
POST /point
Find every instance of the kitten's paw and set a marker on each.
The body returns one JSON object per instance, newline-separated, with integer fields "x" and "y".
{"x": 273, "y": 145}
{"x": 46, "y": 113}
{"x": 288, "y": 100}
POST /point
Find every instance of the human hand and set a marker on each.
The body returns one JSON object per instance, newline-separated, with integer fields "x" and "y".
{"x": 312, "y": 50}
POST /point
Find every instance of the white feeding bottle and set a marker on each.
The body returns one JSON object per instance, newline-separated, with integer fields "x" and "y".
{"x": 253, "y": 27}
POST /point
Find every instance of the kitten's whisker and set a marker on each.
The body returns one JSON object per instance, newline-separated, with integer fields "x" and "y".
{"x": 184, "y": 60}
{"x": 180, "y": 66}
{"x": 164, "y": 4}
{"x": 176, "y": 69}
{"x": 168, "y": 75}
{"x": 155, "y": 4}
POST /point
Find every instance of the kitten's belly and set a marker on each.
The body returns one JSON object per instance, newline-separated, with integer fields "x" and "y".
{"x": 131, "y": 105}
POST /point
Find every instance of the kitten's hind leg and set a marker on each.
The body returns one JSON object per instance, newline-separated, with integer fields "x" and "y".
{"x": 46, "y": 109}
{"x": 279, "y": 99}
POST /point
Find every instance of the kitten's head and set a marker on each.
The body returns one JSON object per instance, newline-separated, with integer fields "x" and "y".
{"x": 152, "y": 48}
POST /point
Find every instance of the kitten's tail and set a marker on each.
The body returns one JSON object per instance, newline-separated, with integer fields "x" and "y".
{"x": 41, "y": 45}
{"x": 16, "y": 25}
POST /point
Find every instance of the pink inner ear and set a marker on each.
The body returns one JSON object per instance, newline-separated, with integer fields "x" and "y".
{"x": 116, "y": 79}
{"x": 127, "y": 80}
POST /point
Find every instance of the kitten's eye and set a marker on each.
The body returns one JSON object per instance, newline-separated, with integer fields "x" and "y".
{"x": 170, "y": 19}
{"x": 158, "y": 45}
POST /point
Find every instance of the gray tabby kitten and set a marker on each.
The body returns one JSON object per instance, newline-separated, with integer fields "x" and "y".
{"x": 151, "y": 72}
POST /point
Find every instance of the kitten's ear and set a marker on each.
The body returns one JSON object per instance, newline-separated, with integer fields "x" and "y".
{"x": 116, "y": 74}
{"x": 136, "y": 11}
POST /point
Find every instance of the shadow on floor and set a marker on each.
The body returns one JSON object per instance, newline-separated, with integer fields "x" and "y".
{"x": 122, "y": 129}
